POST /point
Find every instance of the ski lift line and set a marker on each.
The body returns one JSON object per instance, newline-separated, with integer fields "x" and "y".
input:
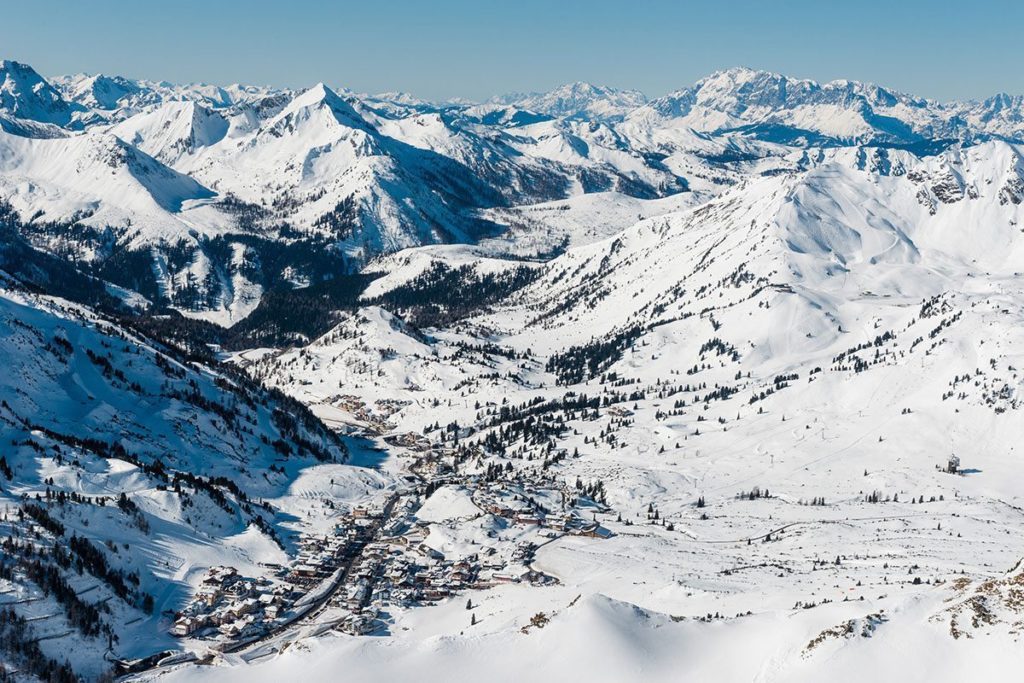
{"x": 743, "y": 445}
{"x": 803, "y": 465}
{"x": 885, "y": 518}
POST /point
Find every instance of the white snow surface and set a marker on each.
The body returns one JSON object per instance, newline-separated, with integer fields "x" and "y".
{"x": 790, "y": 304}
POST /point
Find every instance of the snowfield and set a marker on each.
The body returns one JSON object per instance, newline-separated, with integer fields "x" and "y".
{"x": 603, "y": 639}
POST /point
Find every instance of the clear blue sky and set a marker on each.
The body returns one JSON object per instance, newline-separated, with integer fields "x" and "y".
{"x": 446, "y": 48}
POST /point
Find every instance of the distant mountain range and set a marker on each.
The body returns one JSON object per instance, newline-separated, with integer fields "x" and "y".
{"x": 179, "y": 192}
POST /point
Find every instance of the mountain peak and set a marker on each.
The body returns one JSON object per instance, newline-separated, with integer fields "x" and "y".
{"x": 579, "y": 99}
{"x": 740, "y": 73}
{"x": 27, "y": 95}
{"x": 320, "y": 91}
{"x": 102, "y": 91}
{"x": 320, "y": 97}
{"x": 583, "y": 87}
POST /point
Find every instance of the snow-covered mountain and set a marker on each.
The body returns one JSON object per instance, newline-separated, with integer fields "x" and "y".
{"x": 578, "y": 101}
{"x": 27, "y": 95}
{"x": 96, "y": 174}
{"x": 777, "y": 108}
{"x": 106, "y": 93}
{"x": 878, "y": 220}
{"x": 113, "y": 98}
{"x": 359, "y": 175}
{"x": 135, "y": 460}
{"x": 314, "y": 166}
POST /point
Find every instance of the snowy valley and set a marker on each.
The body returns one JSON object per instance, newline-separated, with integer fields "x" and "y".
{"x": 721, "y": 385}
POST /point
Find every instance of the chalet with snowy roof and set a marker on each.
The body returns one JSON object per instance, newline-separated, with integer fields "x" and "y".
{"x": 186, "y": 626}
